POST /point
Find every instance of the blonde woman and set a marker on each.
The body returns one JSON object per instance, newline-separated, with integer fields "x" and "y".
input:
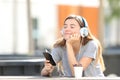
{"x": 77, "y": 46}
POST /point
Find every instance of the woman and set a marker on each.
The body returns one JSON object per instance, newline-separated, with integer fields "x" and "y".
{"x": 77, "y": 48}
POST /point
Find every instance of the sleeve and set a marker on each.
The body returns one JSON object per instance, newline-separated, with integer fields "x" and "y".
{"x": 91, "y": 50}
{"x": 56, "y": 54}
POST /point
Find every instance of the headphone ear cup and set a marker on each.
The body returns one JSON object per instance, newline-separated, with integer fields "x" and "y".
{"x": 84, "y": 32}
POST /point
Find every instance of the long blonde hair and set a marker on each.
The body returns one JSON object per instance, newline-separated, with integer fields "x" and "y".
{"x": 61, "y": 42}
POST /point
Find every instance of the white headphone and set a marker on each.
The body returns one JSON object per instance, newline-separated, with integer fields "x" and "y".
{"x": 83, "y": 30}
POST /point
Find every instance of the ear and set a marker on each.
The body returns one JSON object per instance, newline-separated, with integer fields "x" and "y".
{"x": 84, "y": 32}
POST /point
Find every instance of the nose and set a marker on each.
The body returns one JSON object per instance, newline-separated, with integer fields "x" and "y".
{"x": 67, "y": 29}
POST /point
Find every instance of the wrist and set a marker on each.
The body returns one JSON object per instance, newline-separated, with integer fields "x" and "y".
{"x": 68, "y": 44}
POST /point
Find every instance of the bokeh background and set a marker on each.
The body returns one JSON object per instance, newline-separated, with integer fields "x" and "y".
{"x": 27, "y": 27}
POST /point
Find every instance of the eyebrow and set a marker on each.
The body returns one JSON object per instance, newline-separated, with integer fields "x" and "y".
{"x": 70, "y": 24}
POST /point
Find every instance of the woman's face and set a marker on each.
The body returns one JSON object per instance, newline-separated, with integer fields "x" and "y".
{"x": 71, "y": 26}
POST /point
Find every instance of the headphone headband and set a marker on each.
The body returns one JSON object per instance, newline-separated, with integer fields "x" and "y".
{"x": 83, "y": 30}
{"x": 83, "y": 20}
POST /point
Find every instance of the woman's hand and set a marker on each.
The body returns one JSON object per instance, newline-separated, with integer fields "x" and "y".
{"x": 48, "y": 68}
{"x": 73, "y": 39}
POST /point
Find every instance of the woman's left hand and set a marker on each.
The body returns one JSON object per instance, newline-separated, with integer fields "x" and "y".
{"x": 73, "y": 39}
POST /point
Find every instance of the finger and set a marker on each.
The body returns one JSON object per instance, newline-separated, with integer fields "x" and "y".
{"x": 49, "y": 68}
{"x": 76, "y": 35}
{"x": 71, "y": 36}
{"x": 47, "y": 61}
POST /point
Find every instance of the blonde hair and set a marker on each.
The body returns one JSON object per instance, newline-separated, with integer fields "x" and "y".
{"x": 99, "y": 57}
{"x": 61, "y": 42}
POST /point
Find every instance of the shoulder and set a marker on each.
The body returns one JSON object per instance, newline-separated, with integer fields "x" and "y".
{"x": 90, "y": 49}
{"x": 58, "y": 49}
{"x": 92, "y": 43}
{"x": 57, "y": 53}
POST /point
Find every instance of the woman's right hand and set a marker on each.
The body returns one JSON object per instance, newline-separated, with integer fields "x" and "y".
{"x": 48, "y": 68}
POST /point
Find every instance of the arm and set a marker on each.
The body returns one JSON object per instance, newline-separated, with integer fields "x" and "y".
{"x": 72, "y": 46}
{"x": 89, "y": 54}
{"x": 85, "y": 61}
{"x": 73, "y": 50}
{"x": 71, "y": 57}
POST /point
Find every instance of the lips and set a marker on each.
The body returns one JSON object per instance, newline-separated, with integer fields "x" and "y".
{"x": 68, "y": 33}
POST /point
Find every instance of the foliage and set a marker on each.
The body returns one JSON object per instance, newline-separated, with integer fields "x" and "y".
{"x": 114, "y": 6}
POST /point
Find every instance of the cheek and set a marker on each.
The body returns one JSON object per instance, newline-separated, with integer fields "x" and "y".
{"x": 76, "y": 31}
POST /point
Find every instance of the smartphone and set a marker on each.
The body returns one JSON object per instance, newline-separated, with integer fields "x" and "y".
{"x": 48, "y": 56}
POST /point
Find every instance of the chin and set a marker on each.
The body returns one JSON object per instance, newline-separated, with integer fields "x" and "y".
{"x": 66, "y": 38}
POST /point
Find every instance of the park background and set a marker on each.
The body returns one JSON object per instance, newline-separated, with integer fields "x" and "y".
{"x": 27, "y": 27}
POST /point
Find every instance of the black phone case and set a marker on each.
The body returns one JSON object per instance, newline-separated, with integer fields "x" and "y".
{"x": 49, "y": 57}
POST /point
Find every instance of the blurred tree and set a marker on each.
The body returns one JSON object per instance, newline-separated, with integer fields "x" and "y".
{"x": 114, "y": 6}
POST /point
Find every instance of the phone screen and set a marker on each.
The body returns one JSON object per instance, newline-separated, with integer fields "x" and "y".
{"x": 48, "y": 56}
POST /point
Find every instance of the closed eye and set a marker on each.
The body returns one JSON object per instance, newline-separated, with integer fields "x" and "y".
{"x": 72, "y": 25}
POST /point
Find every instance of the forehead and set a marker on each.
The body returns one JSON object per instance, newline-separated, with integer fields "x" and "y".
{"x": 71, "y": 21}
